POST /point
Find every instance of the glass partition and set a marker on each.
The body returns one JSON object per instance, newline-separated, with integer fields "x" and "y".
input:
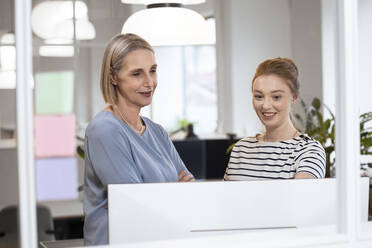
{"x": 364, "y": 103}
{"x": 9, "y": 207}
{"x": 66, "y": 70}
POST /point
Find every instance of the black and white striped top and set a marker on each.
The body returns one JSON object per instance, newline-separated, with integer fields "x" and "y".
{"x": 251, "y": 159}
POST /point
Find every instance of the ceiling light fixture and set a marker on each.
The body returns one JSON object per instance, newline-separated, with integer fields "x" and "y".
{"x": 56, "y": 51}
{"x": 169, "y": 24}
{"x": 7, "y": 52}
{"x": 50, "y": 24}
{"x": 57, "y": 27}
{"x": 7, "y": 61}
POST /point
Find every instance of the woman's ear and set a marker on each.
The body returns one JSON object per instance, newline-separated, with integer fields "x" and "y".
{"x": 294, "y": 99}
{"x": 113, "y": 78}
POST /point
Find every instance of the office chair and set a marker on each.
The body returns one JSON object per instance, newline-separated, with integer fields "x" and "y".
{"x": 9, "y": 226}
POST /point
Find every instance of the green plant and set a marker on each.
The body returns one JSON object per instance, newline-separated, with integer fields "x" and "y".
{"x": 319, "y": 128}
{"x": 80, "y": 147}
{"x": 365, "y": 134}
{"x": 323, "y": 130}
{"x": 181, "y": 126}
{"x": 183, "y": 123}
{"x": 80, "y": 151}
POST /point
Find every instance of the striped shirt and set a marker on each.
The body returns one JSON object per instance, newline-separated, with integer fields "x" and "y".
{"x": 251, "y": 159}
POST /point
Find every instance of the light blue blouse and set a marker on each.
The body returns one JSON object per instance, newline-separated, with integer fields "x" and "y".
{"x": 116, "y": 154}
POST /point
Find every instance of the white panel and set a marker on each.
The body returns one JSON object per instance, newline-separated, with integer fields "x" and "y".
{"x": 148, "y": 212}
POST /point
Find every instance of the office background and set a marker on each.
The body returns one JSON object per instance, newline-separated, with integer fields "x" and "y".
{"x": 247, "y": 32}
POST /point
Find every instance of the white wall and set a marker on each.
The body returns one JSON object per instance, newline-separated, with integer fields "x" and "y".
{"x": 222, "y": 12}
{"x": 365, "y": 55}
{"x": 329, "y": 49}
{"x": 306, "y": 33}
{"x": 96, "y": 99}
{"x": 168, "y": 93}
{"x": 329, "y": 16}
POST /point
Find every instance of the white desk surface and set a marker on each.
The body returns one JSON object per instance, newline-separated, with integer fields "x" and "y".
{"x": 62, "y": 243}
{"x": 325, "y": 236}
{"x": 62, "y": 209}
{"x": 8, "y": 143}
{"x": 65, "y": 209}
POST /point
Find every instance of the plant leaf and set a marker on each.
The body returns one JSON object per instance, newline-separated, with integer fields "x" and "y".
{"x": 366, "y": 117}
{"x": 329, "y": 149}
{"x": 80, "y": 151}
{"x": 316, "y": 103}
{"x": 329, "y": 111}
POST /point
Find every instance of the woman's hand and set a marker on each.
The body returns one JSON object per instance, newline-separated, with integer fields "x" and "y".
{"x": 182, "y": 177}
{"x": 304, "y": 175}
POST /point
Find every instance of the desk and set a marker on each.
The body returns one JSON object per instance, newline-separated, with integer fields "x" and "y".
{"x": 62, "y": 243}
{"x": 150, "y": 212}
{"x": 68, "y": 218}
{"x": 65, "y": 209}
{"x": 8, "y": 143}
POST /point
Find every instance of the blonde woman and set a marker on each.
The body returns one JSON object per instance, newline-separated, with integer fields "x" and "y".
{"x": 281, "y": 152}
{"x": 122, "y": 146}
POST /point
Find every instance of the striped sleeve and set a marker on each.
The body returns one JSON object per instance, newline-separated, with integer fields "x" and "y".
{"x": 226, "y": 175}
{"x": 236, "y": 161}
{"x": 311, "y": 159}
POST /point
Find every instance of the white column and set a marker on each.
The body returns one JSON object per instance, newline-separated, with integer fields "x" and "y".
{"x": 347, "y": 120}
{"x": 329, "y": 51}
{"x": 223, "y": 64}
{"x": 27, "y": 212}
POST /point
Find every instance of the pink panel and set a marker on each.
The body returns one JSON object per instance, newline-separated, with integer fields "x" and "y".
{"x": 54, "y": 135}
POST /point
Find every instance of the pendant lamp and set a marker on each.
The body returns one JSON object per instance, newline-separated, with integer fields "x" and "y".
{"x": 57, "y": 27}
{"x": 168, "y": 24}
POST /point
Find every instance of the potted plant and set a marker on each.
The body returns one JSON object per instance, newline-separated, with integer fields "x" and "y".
{"x": 323, "y": 130}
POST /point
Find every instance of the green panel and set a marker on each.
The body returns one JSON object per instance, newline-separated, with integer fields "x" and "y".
{"x": 54, "y": 92}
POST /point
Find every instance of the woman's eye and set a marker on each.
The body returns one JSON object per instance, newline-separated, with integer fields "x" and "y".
{"x": 258, "y": 97}
{"x": 277, "y": 97}
{"x": 153, "y": 71}
{"x": 135, "y": 74}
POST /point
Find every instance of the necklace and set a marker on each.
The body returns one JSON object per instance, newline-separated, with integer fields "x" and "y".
{"x": 293, "y": 135}
{"x": 140, "y": 131}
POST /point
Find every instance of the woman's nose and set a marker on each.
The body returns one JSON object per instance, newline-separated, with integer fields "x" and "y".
{"x": 149, "y": 80}
{"x": 266, "y": 103}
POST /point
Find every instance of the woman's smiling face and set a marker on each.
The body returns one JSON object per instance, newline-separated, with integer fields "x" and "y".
{"x": 272, "y": 100}
{"x": 137, "y": 79}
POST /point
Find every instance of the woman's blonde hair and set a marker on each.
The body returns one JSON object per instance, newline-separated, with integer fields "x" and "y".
{"x": 116, "y": 51}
